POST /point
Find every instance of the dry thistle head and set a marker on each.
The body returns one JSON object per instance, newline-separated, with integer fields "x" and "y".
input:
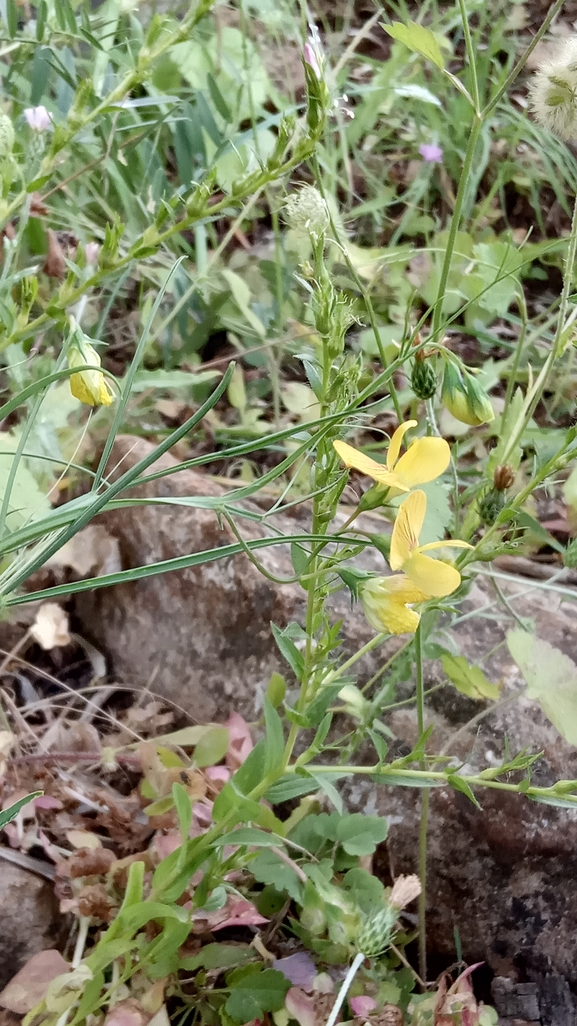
{"x": 503, "y": 477}
{"x": 405, "y": 889}
{"x": 553, "y": 92}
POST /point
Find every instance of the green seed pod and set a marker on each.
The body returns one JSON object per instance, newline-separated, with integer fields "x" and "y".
{"x": 490, "y": 506}
{"x": 423, "y": 379}
{"x": 6, "y": 135}
{"x": 376, "y": 932}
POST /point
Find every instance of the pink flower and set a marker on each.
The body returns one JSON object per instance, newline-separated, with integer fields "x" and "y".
{"x": 431, "y": 153}
{"x": 311, "y": 58}
{"x": 91, "y": 251}
{"x": 38, "y": 118}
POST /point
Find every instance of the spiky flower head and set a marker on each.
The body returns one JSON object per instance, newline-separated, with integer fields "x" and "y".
{"x": 6, "y": 135}
{"x": 490, "y": 506}
{"x": 306, "y": 211}
{"x": 423, "y": 379}
{"x": 553, "y": 92}
{"x": 376, "y": 931}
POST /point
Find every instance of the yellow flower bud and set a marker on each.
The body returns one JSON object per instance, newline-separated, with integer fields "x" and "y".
{"x": 464, "y": 398}
{"x": 88, "y": 385}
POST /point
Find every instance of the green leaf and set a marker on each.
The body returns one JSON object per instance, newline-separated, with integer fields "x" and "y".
{"x": 7, "y": 815}
{"x": 468, "y": 680}
{"x": 551, "y": 678}
{"x": 219, "y": 956}
{"x": 183, "y": 807}
{"x": 212, "y": 746}
{"x": 418, "y": 38}
{"x": 461, "y": 785}
{"x": 9, "y": 16}
{"x": 249, "y": 835}
{"x": 256, "y": 994}
{"x": 276, "y": 689}
{"x": 360, "y": 834}
{"x": 268, "y": 868}
{"x": 289, "y": 650}
{"x": 274, "y": 738}
{"x": 290, "y": 786}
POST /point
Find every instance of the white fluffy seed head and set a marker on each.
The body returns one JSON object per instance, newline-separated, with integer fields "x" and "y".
{"x": 553, "y": 92}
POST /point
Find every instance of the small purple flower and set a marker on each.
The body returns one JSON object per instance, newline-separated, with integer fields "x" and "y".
{"x": 311, "y": 58}
{"x": 38, "y": 118}
{"x": 431, "y": 153}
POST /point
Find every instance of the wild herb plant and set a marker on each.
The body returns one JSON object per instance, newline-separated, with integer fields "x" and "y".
{"x": 110, "y": 109}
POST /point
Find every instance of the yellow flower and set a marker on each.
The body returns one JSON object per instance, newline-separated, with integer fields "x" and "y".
{"x": 89, "y": 386}
{"x": 424, "y": 460}
{"x": 386, "y": 603}
{"x": 432, "y": 576}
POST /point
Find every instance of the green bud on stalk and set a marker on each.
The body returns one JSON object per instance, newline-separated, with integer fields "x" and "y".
{"x": 464, "y": 398}
{"x": 423, "y": 379}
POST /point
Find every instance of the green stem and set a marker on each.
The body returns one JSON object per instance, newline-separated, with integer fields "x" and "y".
{"x": 422, "y": 923}
{"x": 522, "y": 304}
{"x": 471, "y": 57}
{"x": 340, "y": 670}
{"x": 455, "y": 221}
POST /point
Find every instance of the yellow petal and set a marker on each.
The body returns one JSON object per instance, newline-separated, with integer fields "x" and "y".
{"x": 424, "y": 460}
{"x": 351, "y": 457}
{"x": 399, "y": 619}
{"x": 432, "y": 576}
{"x": 80, "y": 391}
{"x": 448, "y": 544}
{"x": 405, "y": 537}
{"x": 384, "y": 606}
{"x": 396, "y": 441}
{"x": 401, "y": 589}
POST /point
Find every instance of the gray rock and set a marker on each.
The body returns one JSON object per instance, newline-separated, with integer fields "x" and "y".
{"x": 201, "y": 636}
{"x": 30, "y": 918}
{"x": 505, "y": 876}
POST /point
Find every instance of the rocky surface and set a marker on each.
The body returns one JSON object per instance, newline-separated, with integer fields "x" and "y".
{"x": 30, "y": 918}
{"x": 505, "y": 876}
{"x": 201, "y": 636}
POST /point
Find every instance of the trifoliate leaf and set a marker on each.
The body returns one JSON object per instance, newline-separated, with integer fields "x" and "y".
{"x": 418, "y": 38}
{"x": 469, "y": 680}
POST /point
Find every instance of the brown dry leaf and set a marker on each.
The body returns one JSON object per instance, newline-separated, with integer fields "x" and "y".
{"x": 31, "y": 982}
{"x": 93, "y": 551}
{"x": 90, "y": 862}
{"x": 83, "y": 839}
{"x": 6, "y": 744}
{"x": 50, "y": 628}
{"x": 77, "y": 736}
{"x": 127, "y": 1013}
{"x": 55, "y": 264}
{"x": 94, "y": 902}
